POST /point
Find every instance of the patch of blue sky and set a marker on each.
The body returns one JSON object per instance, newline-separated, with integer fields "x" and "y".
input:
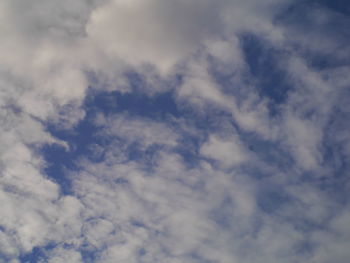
{"x": 318, "y": 39}
{"x": 134, "y": 103}
{"x": 341, "y": 6}
{"x": 85, "y": 133}
{"x": 160, "y": 107}
{"x": 270, "y": 201}
{"x": 60, "y": 160}
{"x": 89, "y": 253}
{"x": 38, "y": 254}
{"x": 307, "y": 17}
{"x": 270, "y": 152}
{"x": 265, "y": 71}
{"x": 265, "y": 64}
{"x": 319, "y": 60}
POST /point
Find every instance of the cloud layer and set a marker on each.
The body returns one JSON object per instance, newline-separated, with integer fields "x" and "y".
{"x": 174, "y": 131}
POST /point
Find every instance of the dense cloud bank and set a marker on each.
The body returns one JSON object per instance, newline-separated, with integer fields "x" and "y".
{"x": 174, "y": 131}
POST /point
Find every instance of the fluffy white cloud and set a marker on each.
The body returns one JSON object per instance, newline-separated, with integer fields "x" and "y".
{"x": 153, "y": 32}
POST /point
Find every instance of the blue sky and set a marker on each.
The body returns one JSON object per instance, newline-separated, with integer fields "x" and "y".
{"x": 174, "y": 131}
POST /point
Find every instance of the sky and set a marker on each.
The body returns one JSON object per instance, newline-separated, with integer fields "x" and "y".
{"x": 174, "y": 131}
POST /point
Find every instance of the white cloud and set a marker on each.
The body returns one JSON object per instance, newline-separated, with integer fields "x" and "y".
{"x": 229, "y": 152}
{"x": 153, "y": 32}
{"x": 304, "y": 140}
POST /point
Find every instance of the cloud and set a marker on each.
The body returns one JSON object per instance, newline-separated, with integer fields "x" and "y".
{"x": 60, "y": 255}
{"x": 230, "y": 152}
{"x": 166, "y": 33}
{"x": 234, "y": 176}
{"x": 153, "y": 32}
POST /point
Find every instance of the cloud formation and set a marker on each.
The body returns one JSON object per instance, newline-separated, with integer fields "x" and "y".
{"x": 187, "y": 131}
